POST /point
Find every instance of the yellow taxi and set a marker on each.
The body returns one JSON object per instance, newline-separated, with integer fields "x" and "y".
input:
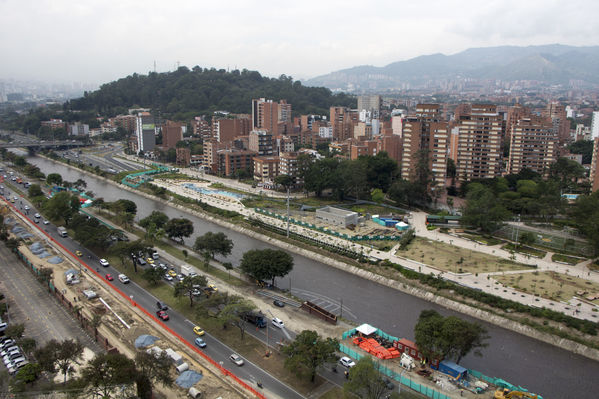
{"x": 79, "y": 253}
{"x": 172, "y": 273}
{"x": 198, "y": 331}
{"x": 150, "y": 261}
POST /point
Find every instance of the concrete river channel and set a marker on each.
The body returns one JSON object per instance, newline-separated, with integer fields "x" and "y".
{"x": 540, "y": 367}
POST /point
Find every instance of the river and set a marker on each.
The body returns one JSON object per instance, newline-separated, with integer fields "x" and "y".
{"x": 540, "y": 367}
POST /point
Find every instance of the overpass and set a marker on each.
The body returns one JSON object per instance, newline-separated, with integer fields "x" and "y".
{"x": 45, "y": 144}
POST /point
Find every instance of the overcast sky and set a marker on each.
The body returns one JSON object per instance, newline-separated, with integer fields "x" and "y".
{"x": 96, "y": 41}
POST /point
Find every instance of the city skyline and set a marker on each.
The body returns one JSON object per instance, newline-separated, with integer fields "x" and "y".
{"x": 100, "y": 41}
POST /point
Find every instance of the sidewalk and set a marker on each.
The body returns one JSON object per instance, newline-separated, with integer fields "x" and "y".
{"x": 480, "y": 282}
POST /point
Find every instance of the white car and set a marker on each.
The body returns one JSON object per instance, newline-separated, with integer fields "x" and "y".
{"x": 168, "y": 277}
{"x": 104, "y": 262}
{"x": 46, "y": 222}
{"x": 235, "y": 358}
{"x": 278, "y": 322}
{"x": 346, "y": 362}
{"x": 123, "y": 279}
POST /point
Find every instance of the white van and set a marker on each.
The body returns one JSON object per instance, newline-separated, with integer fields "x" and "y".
{"x": 123, "y": 279}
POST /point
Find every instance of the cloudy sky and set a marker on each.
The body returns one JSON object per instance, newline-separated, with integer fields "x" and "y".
{"x": 96, "y": 41}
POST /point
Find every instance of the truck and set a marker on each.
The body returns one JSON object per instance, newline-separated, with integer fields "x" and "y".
{"x": 62, "y": 231}
{"x": 256, "y": 318}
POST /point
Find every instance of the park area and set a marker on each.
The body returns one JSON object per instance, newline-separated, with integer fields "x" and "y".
{"x": 456, "y": 259}
{"x": 552, "y": 285}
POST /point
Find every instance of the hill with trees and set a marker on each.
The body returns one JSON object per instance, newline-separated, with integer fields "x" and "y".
{"x": 185, "y": 93}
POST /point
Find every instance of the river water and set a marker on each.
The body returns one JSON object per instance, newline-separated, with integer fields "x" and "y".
{"x": 541, "y": 368}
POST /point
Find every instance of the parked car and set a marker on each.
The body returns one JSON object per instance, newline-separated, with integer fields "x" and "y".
{"x": 278, "y": 322}
{"x": 235, "y": 358}
{"x": 278, "y": 303}
{"x": 346, "y": 362}
{"x": 200, "y": 342}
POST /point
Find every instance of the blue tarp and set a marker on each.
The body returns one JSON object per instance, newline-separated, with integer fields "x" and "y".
{"x": 145, "y": 340}
{"x": 188, "y": 378}
{"x": 452, "y": 369}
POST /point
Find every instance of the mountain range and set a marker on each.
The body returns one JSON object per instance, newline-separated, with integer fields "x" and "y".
{"x": 553, "y": 64}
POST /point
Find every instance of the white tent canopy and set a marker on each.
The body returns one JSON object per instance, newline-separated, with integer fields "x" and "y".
{"x": 366, "y": 329}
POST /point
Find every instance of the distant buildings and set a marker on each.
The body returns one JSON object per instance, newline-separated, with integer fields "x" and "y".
{"x": 145, "y": 132}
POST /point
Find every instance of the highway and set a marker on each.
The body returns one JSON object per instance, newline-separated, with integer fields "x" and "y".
{"x": 218, "y": 351}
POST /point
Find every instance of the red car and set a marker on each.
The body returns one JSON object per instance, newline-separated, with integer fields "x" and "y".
{"x": 162, "y": 314}
{"x": 109, "y": 277}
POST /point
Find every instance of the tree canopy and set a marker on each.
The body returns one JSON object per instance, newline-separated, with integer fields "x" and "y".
{"x": 308, "y": 352}
{"x": 177, "y": 228}
{"x": 266, "y": 264}
{"x": 213, "y": 243}
{"x": 450, "y": 337}
{"x": 186, "y": 93}
{"x": 365, "y": 381}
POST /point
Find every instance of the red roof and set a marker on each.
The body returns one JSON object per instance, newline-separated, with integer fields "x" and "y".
{"x": 408, "y": 343}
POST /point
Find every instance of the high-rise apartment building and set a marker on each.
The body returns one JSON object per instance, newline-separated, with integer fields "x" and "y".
{"x": 342, "y": 121}
{"x": 594, "y": 176}
{"x": 595, "y": 125}
{"x": 425, "y": 138}
{"x": 145, "y": 132}
{"x": 172, "y": 133}
{"x": 371, "y": 104}
{"x": 224, "y": 130}
{"x": 271, "y": 116}
{"x": 561, "y": 124}
{"x": 479, "y": 143}
{"x": 533, "y": 145}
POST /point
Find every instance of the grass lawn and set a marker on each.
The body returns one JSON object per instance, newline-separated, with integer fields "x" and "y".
{"x": 375, "y": 209}
{"x": 338, "y": 393}
{"x": 552, "y": 285}
{"x": 524, "y": 250}
{"x": 571, "y": 260}
{"x": 485, "y": 240}
{"x": 456, "y": 259}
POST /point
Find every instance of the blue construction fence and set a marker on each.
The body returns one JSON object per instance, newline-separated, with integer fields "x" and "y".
{"x": 326, "y": 230}
{"x": 136, "y": 179}
{"x": 402, "y": 379}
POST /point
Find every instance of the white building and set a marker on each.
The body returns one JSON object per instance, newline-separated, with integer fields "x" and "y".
{"x": 325, "y": 132}
{"x": 595, "y": 125}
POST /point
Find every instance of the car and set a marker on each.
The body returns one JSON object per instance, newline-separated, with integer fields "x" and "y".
{"x": 278, "y": 322}
{"x": 200, "y": 342}
{"x": 278, "y": 303}
{"x": 123, "y": 279}
{"x": 7, "y": 342}
{"x": 150, "y": 261}
{"x": 79, "y": 253}
{"x": 347, "y": 362}
{"x": 172, "y": 273}
{"x": 27, "y": 208}
{"x": 162, "y": 265}
{"x": 196, "y": 292}
{"x": 15, "y": 361}
{"x": 161, "y": 305}
{"x": 168, "y": 277}
{"x": 37, "y": 215}
{"x": 192, "y": 274}
{"x": 235, "y": 358}
{"x": 12, "y": 357}
{"x": 212, "y": 287}
{"x": 162, "y": 315}
{"x": 17, "y": 366}
{"x": 155, "y": 255}
{"x": 109, "y": 277}
{"x": 46, "y": 222}
{"x": 141, "y": 261}
{"x": 104, "y": 262}
{"x": 8, "y": 350}
{"x": 180, "y": 277}
{"x": 199, "y": 331}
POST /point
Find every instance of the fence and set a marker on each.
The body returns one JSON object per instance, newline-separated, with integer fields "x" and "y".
{"x": 423, "y": 389}
{"x": 328, "y": 231}
{"x": 545, "y": 239}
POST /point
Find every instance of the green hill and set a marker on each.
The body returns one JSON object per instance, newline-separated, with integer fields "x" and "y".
{"x": 185, "y": 93}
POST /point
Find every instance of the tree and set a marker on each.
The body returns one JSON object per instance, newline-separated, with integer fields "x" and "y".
{"x": 178, "y": 228}
{"x": 449, "y": 337}
{"x": 54, "y": 179}
{"x": 284, "y": 180}
{"x": 308, "y": 352}
{"x": 228, "y": 267}
{"x": 213, "y": 243}
{"x": 188, "y": 285}
{"x": 15, "y": 331}
{"x": 106, "y": 371}
{"x": 566, "y": 172}
{"x": 60, "y": 207}
{"x": 35, "y": 191}
{"x": 233, "y": 314}
{"x": 151, "y": 368}
{"x": 59, "y": 355}
{"x": 365, "y": 381}
{"x": 80, "y": 184}
{"x": 124, "y": 205}
{"x": 482, "y": 209}
{"x": 586, "y": 215}
{"x": 156, "y": 218}
{"x": 153, "y": 275}
{"x": 266, "y": 264}
{"x": 377, "y": 195}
